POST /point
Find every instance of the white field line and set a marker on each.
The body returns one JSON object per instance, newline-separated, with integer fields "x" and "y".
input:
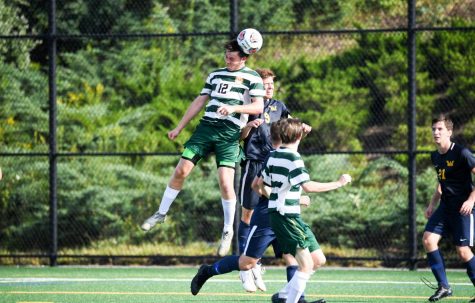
{"x": 85, "y": 280}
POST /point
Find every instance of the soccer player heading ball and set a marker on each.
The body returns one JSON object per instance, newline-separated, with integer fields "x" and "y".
{"x": 228, "y": 96}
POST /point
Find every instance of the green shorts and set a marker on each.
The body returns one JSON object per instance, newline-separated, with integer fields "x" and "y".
{"x": 222, "y": 139}
{"x": 292, "y": 233}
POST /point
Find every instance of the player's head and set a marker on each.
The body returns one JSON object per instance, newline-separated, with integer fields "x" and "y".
{"x": 235, "y": 58}
{"x": 291, "y": 130}
{"x": 268, "y": 80}
{"x": 449, "y": 124}
{"x": 442, "y": 127}
{"x": 275, "y": 134}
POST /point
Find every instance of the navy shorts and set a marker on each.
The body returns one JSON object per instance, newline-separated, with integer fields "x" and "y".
{"x": 258, "y": 240}
{"x": 249, "y": 198}
{"x": 446, "y": 222}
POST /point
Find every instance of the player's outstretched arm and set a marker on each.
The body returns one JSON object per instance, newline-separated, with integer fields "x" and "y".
{"x": 194, "y": 108}
{"x": 317, "y": 187}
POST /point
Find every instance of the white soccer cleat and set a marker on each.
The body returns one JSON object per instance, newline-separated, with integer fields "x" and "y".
{"x": 257, "y": 275}
{"x": 153, "y": 220}
{"x": 225, "y": 244}
{"x": 247, "y": 280}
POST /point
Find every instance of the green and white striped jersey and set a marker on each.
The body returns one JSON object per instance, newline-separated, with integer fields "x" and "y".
{"x": 284, "y": 173}
{"x": 231, "y": 88}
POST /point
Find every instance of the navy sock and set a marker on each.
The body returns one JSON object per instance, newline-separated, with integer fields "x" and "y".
{"x": 224, "y": 265}
{"x": 291, "y": 270}
{"x": 470, "y": 265}
{"x": 243, "y": 233}
{"x": 437, "y": 265}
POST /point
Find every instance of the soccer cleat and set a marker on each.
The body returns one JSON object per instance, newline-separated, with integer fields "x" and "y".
{"x": 225, "y": 244}
{"x": 153, "y": 220}
{"x": 247, "y": 280}
{"x": 275, "y": 298}
{"x": 473, "y": 300}
{"x": 316, "y": 301}
{"x": 199, "y": 279}
{"x": 440, "y": 293}
{"x": 257, "y": 275}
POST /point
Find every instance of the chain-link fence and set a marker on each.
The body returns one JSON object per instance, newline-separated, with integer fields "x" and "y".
{"x": 89, "y": 89}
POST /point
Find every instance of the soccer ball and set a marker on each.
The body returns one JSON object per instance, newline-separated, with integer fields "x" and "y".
{"x": 249, "y": 40}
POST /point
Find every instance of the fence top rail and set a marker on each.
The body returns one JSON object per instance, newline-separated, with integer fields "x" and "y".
{"x": 227, "y": 34}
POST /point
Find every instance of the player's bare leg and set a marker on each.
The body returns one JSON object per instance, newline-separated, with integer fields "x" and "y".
{"x": 182, "y": 170}
{"x": 228, "y": 199}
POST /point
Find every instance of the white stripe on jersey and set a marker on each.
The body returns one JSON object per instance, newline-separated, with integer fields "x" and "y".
{"x": 244, "y": 75}
{"x": 471, "y": 231}
{"x": 246, "y": 171}
{"x": 225, "y": 90}
{"x": 238, "y": 122}
{"x": 253, "y": 229}
{"x": 299, "y": 179}
{"x": 283, "y": 158}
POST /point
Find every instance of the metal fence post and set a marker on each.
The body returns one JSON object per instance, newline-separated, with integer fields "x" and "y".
{"x": 233, "y": 23}
{"x": 411, "y": 58}
{"x": 53, "y": 211}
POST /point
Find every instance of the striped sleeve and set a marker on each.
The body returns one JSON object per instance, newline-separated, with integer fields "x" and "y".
{"x": 298, "y": 174}
{"x": 208, "y": 86}
{"x": 266, "y": 176}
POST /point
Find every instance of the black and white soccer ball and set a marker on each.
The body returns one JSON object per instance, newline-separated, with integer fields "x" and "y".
{"x": 250, "y": 40}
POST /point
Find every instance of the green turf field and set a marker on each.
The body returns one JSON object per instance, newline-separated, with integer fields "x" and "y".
{"x": 172, "y": 284}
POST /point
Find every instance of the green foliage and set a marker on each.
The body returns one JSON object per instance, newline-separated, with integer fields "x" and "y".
{"x": 271, "y": 15}
{"x": 370, "y": 212}
{"x": 24, "y": 203}
{"x": 23, "y": 99}
{"x": 317, "y": 14}
{"x": 451, "y": 65}
{"x": 12, "y": 22}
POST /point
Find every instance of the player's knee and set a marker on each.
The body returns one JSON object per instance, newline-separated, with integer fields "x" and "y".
{"x": 226, "y": 189}
{"x": 464, "y": 253}
{"x": 321, "y": 260}
{"x": 428, "y": 242}
{"x": 308, "y": 267}
{"x": 180, "y": 173}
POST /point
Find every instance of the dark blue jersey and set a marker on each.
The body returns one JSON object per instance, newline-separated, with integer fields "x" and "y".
{"x": 454, "y": 174}
{"x": 258, "y": 143}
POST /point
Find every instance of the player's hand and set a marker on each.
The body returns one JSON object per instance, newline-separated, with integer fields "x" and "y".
{"x": 344, "y": 179}
{"x": 304, "y": 201}
{"x": 466, "y": 208}
{"x": 306, "y": 128}
{"x": 173, "y": 133}
{"x": 428, "y": 211}
{"x": 225, "y": 110}
{"x": 255, "y": 123}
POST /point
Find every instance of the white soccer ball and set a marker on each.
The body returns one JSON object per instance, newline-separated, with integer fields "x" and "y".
{"x": 250, "y": 40}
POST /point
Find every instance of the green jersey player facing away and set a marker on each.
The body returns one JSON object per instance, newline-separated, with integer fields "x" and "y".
{"x": 286, "y": 175}
{"x": 234, "y": 92}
